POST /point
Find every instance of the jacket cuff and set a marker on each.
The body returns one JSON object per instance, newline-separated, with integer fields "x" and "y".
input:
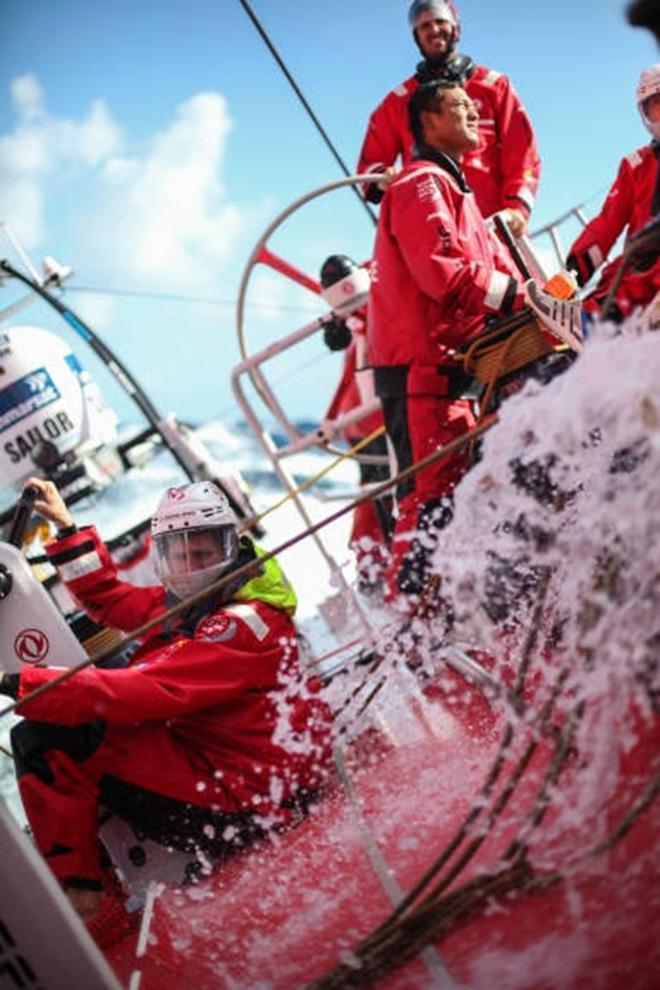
{"x": 78, "y": 555}
{"x": 523, "y": 201}
{"x": 509, "y": 299}
{"x": 66, "y": 531}
{"x": 499, "y": 290}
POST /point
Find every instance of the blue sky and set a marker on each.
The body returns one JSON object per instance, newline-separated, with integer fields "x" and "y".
{"x": 148, "y": 145}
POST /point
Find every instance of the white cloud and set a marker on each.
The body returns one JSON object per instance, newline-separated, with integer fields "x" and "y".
{"x": 268, "y": 294}
{"x": 156, "y": 219}
{"x": 272, "y": 298}
{"x": 37, "y": 150}
{"x": 173, "y": 224}
{"x": 27, "y": 97}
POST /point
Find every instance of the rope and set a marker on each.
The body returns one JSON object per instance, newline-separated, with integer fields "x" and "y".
{"x": 316, "y": 661}
{"x": 405, "y": 933}
{"x": 490, "y": 363}
{"x": 498, "y": 762}
{"x": 512, "y": 696}
{"x": 413, "y": 926}
{"x": 255, "y": 520}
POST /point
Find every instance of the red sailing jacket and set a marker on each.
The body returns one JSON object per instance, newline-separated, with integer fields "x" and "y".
{"x": 628, "y": 206}
{"x": 437, "y": 272}
{"x": 503, "y": 171}
{"x": 230, "y": 692}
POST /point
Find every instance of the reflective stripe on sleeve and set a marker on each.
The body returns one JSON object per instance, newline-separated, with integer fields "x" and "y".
{"x": 496, "y": 291}
{"x": 595, "y": 255}
{"x": 527, "y": 197}
{"x": 251, "y": 618}
{"x": 79, "y": 567}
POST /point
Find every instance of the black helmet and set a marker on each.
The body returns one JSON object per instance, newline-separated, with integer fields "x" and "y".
{"x": 334, "y": 268}
{"x": 344, "y": 285}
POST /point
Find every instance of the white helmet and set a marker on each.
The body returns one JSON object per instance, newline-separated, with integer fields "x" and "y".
{"x": 444, "y": 9}
{"x": 195, "y": 537}
{"x": 648, "y": 86}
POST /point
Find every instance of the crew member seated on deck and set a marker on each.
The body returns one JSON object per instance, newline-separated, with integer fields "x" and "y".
{"x": 207, "y": 740}
{"x": 437, "y": 274}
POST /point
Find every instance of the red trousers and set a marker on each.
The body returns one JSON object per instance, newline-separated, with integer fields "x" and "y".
{"x": 418, "y": 425}
{"x": 372, "y": 526}
{"x": 143, "y": 773}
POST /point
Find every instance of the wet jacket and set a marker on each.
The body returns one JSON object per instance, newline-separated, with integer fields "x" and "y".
{"x": 438, "y": 271}
{"x": 631, "y": 202}
{"x": 227, "y": 685}
{"x": 503, "y": 171}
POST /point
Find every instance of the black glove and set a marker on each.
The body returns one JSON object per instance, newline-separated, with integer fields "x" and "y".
{"x": 9, "y": 685}
{"x": 336, "y": 335}
{"x": 643, "y": 248}
{"x": 583, "y": 267}
{"x": 506, "y": 306}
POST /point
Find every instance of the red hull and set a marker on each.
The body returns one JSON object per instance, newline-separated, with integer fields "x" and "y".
{"x": 278, "y": 917}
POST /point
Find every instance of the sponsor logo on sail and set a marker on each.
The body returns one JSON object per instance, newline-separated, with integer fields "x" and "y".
{"x": 25, "y": 396}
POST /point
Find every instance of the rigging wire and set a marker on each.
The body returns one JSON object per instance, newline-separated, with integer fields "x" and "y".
{"x": 301, "y": 96}
{"x": 181, "y": 297}
{"x": 315, "y": 478}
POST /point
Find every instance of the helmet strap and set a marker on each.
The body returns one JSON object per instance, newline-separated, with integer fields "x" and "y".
{"x": 246, "y": 554}
{"x": 191, "y": 617}
{"x": 186, "y": 623}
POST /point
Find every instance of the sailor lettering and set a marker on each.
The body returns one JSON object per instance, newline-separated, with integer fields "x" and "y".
{"x": 427, "y": 189}
{"x": 52, "y": 428}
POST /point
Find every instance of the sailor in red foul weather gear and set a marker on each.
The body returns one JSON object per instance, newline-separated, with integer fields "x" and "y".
{"x": 437, "y": 273}
{"x": 345, "y": 287}
{"x": 631, "y": 203}
{"x": 503, "y": 170}
{"x": 208, "y": 738}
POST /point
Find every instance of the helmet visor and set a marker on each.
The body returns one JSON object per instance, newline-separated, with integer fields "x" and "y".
{"x": 189, "y": 560}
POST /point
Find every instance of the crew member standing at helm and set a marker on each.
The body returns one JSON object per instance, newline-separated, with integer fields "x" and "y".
{"x": 207, "y": 740}
{"x": 631, "y": 203}
{"x": 438, "y": 274}
{"x": 345, "y": 288}
{"x": 503, "y": 170}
